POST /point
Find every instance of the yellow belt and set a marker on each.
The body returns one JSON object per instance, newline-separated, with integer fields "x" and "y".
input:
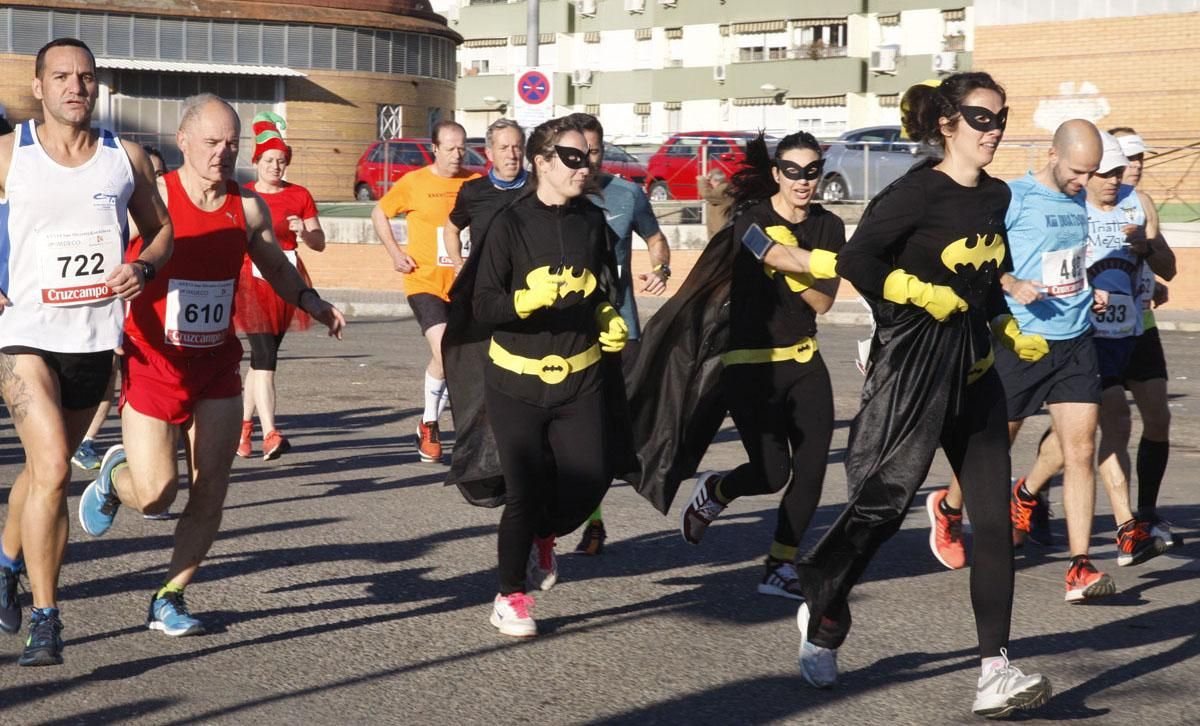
{"x": 552, "y": 369}
{"x": 801, "y": 351}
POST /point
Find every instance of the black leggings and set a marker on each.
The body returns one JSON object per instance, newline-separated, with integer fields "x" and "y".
{"x": 556, "y": 471}
{"x": 976, "y": 444}
{"x": 264, "y": 350}
{"x": 784, "y": 414}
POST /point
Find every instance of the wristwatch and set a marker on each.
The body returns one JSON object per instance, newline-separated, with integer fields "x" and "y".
{"x": 665, "y": 270}
{"x": 148, "y": 270}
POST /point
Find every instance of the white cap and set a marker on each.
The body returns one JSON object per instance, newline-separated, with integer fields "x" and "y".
{"x": 1132, "y": 144}
{"x": 1113, "y": 156}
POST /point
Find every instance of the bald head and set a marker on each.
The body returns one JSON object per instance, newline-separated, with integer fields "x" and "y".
{"x": 206, "y": 105}
{"x": 208, "y": 135}
{"x": 1074, "y": 156}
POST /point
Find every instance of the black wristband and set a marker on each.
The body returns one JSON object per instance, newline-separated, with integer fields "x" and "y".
{"x": 148, "y": 270}
{"x": 300, "y": 297}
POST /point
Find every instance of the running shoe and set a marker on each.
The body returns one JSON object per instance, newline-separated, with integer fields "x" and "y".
{"x": 818, "y": 665}
{"x": 275, "y": 445}
{"x": 542, "y": 570}
{"x": 10, "y": 608}
{"x": 1085, "y": 582}
{"x": 160, "y": 517}
{"x": 1039, "y": 525}
{"x": 702, "y": 508}
{"x": 780, "y": 580}
{"x": 99, "y": 504}
{"x": 1161, "y": 528}
{"x": 510, "y": 615}
{"x": 429, "y": 442}
{"x": 44, "y": 646}
{"x": 1006, "y": 689}
{"x": 1022, "y": 513}
{"x": 85, "y": 457}
{"x": 243, "y": 449}
{"x": 1135, "y": 544}
{"x": 169, "y": 614}
{"x": 592, "y": 542}
{"x": 945, "y": 532}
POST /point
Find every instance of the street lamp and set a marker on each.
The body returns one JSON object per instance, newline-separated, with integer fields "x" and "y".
{"x": 777, "y": 95}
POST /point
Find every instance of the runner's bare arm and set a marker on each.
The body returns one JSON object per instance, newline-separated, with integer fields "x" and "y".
{"x": 452, "y": 236}
{"x": 265, "y": 252}
{"x": 1159, "y": 254}
{"x": 149, "y": 214}
{"x": 310, "y": 233}
{"x": 383, "y": 229}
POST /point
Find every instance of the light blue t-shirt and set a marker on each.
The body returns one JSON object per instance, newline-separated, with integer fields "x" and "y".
{"x": 627, "y": 210}
{"x": 1047, "y": 237}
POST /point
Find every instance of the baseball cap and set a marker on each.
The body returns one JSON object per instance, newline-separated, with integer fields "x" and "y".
{"x": 1113, "y": 156}
{"x": 1132, "y": 144}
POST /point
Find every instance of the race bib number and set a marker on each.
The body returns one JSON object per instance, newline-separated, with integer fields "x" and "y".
{"x": 289, "y": 254}
{"x": 198, "y": 312}
{"x": 443, "y": 258}
{"x": 1063, "y": 271}
{"x": 73, "y": 265}
{"x": 1119, "y": 320}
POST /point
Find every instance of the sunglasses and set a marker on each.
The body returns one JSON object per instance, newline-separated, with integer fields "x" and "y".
{"x": 795, "y": 172}
{"x": 982, "y": 119}
{"x": 571, "y": 157}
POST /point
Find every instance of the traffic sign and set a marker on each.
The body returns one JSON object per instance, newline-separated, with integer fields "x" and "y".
{"x": 533, "y": 97}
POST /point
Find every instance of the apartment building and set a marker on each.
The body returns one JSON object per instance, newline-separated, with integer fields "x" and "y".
{"x": 654, "y": 67}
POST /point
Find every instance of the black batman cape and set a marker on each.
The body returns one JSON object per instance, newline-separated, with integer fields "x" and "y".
{"x": 675, "y": 402}
{"x": 475, "y": 463}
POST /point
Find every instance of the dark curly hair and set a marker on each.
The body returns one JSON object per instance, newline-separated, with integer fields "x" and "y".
{"x": 923, "y": 106}
{"x": 754, "y": 181}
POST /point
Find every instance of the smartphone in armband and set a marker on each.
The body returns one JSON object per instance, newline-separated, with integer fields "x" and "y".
{"x": 757, "y": 241}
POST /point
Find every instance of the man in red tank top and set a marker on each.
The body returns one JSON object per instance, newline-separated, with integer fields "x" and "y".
{"x": 181, "y": 356}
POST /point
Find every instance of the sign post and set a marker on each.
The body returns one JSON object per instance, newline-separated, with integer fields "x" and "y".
{"x": 533, "y": 97}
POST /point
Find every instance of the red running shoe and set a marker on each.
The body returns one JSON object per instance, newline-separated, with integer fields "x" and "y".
{"x": 1085, "y": 582}
{"x": 1022, "y": 513}
{"x": 429, "y": 442}
{"x": 945, "y": 533}
{"x": 243, "y": 449}
{"x": 1135, "y": 544}
{"x": 275, "y": 445}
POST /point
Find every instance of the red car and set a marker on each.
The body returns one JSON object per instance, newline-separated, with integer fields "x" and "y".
{"x": 673, "y": 169}
{"x": 384, "y": 162}
{"x": 617, "y": 161}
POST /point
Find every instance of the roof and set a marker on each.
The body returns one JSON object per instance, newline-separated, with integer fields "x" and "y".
{"x": 136, "y": 64}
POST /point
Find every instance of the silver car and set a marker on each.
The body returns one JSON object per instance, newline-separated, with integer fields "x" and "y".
{"x": 864, "y": 161}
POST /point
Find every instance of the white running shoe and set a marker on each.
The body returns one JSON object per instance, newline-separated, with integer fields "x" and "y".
{"x": 818, "y": 665}
{"x": 510, "y": 615}
{"x": 542, "y": 570}
{"x": 1161, "y": 528}
{"x": 781, "y": 580}
{"x": 702, "y": 508}
{"x": 1006, "y": 689}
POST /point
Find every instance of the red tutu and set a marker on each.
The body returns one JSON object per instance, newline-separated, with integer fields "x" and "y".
{"x": 257, "y": 309}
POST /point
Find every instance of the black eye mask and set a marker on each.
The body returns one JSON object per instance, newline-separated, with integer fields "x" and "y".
{"x": 571, "y": 157}
{"x": 795, "y": 172}
{"x": 982, "y": 119}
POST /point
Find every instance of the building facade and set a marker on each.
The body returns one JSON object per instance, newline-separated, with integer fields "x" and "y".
{"x": 653, "y": 67}
{"x": 342, "y": 72}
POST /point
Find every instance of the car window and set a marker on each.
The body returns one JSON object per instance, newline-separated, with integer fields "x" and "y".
{"x": 718, "y": 145}
{"x": 874, "y": 136}
{"x": 616, "y": 153}
{"x": 408, "y": 154}
{"x": 684, "y": 148}
{"x": 474, "y": 158}
{"x": 376, "y": 155}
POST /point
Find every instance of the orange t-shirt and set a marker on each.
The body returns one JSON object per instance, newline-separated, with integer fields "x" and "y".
{"x": 426, "y": 200}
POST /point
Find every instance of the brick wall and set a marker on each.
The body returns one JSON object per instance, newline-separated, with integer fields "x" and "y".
{"x": 1144, "y": 69}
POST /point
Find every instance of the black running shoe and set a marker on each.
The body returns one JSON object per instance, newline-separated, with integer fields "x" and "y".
{"x": 10, "y": 609}
{"x": 592, "y": 542}
{"x": 44, "y": 646}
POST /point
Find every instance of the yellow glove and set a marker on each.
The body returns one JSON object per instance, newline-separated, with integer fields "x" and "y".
{"x": 939, "y": 301}
{"x": 613, "y": 330}
{"x": 541, "y": 295}
{"x": 822, "y": 264}
{"x": 1029, "y": 348}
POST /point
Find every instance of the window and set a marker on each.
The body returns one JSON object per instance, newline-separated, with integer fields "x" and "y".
{"x": 875, "y": 138}
{"x": 407, "y": 154}
{"x": 819, "y": 39}
{"x": 762, "y": 46}
{"x": 616, "y": 153}
{"x": 687, "y": 148}
{"x": 389, "y": 116}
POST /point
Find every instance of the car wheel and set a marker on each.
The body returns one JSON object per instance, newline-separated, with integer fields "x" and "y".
{"x": 834, "y": 189}
{"x": 659, "y": 192}
{"x": 362, "y": 193}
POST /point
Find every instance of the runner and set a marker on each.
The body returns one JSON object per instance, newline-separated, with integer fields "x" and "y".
{"x": 67, "y": 189}
{"x": 927, "y": 255}
{"x": 480, "y": 199}
{"x": 774, "y": 381}
{"x": 181, "y": 358}
{"x": 426, "y": 198}
{"x": 1049, "y": 296}
{"x": 259, "y": 312}
{"x": 627, "y": 210}
{"x": 545, "y": 393}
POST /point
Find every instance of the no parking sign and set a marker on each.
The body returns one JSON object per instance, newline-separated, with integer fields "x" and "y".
{"x": 533, "y": 97}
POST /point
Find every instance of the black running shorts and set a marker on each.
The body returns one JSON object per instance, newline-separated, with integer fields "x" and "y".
{"x": 1147, "y": 362}
{"x": 429, "y": 310}
{"x": 1069, "y": 373}
{"x": 82, "y": 377}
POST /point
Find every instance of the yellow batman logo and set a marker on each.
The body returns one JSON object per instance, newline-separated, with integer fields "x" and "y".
{"x": 584, "y": 282}
{"x": 796, "y": 281}
{"x": 976, "y": 255}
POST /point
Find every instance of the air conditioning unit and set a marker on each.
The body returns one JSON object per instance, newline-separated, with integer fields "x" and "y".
{"x": 883, "y": 59}
{"x": 668, "y": 3}
{"x": 719, "y": 73}
{"x": 945, "y": 62}
{"x": 586, "y": 8}
{"x": 635, "y": 6}
{"x": 581, "y": 77}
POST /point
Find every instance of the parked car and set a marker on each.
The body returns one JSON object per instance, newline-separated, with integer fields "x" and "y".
{"x": 864, "y": 161}
{"x": 673, "y": 169}
{"x": 619, "y": 162}
{"x": 384, "y": 162}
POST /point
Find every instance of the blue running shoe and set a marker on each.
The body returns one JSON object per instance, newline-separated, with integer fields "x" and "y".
{"x": 44, "y": 646}
{"x": 99, "y": 504}
{"x": 86, "y": 457}
{"x": 10, "y": 610}
{"x": 169, "y": 614}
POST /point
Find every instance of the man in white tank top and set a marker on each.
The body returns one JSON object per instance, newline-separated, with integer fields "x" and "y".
{"x": 65, "y": 189}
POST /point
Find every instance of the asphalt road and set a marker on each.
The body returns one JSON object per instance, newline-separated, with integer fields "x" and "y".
{"x": 349, "y": 586}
